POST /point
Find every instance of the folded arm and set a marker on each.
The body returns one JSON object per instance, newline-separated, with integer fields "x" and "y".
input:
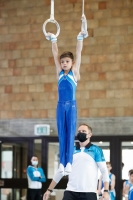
{"x": 31, "y": 175}
{"x": 42, "y": 177}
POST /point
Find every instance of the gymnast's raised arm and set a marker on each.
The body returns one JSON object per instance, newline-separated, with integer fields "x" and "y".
{"x": 56, "y": 58}
{"x": 83, "y": 34}
{"x": 76, "y": 66}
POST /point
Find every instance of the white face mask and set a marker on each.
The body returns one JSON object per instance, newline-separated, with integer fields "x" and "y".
{"x": 34, "y": 162}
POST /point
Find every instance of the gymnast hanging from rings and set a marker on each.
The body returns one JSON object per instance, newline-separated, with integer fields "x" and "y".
{"x": 68, "y": 74}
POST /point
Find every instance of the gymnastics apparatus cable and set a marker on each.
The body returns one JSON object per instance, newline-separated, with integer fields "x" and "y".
{"x": 52, "y": 20}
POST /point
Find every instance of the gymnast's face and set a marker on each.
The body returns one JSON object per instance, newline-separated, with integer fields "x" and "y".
{"x": 108, "y": 167}
{"x": 131, "y": 178}
{"x": 66, "y": 63}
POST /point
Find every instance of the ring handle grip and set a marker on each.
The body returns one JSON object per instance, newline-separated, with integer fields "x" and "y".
{"x": 83, "y": 18}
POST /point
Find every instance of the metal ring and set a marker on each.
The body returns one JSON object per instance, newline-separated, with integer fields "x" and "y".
{"x": 52, "y": 21}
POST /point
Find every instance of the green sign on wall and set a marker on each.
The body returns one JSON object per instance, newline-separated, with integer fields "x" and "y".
{"x": 42, "y": 129}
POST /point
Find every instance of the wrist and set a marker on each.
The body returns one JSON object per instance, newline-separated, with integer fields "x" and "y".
{"x": 106, "y": 191}
{"x": 50, "y": 190}
{"x": 80, "y": 38}
{"x": 53, "y": 39}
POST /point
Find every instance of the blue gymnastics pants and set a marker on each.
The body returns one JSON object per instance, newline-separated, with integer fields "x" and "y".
{"x": 66, "y": 114}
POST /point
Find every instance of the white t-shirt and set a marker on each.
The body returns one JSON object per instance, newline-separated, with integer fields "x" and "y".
{"x": 84, "y": 175}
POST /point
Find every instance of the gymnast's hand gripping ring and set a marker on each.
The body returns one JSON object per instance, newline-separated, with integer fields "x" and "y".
{"x": 52, "y": 20}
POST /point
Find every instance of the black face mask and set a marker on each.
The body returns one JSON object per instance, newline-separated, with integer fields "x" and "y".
{"x": 81, "y": 137}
